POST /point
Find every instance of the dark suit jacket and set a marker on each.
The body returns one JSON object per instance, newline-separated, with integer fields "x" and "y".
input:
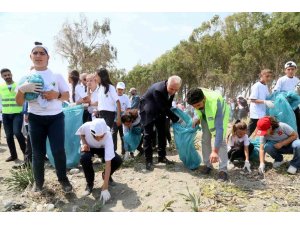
{"x": 155, "y": 103}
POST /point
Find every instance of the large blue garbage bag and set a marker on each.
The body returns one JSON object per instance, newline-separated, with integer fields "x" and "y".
{"x": 73, "y": 120}
{"x": 255, "y": 154}
{"x": 185, "y": 140}
{"x": 283, "y": 110}
{"x": 132, "y": 139}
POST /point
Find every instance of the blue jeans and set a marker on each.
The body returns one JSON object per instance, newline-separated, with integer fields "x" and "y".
{"x": 276, "y": 154}
{"x": 12, "y": 126}
{"x": 53, "y": 127}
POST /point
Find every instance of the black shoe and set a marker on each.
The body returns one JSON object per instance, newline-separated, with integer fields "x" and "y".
{"x": 222, "y": 176}
{"x": 37, "y": 188}
{"x": 88, "y": 190}
{"x": 206, "y": 170}
{"x": 10, "y": 158}
{"x": 66, "y": 186}
{"x": 149, "y": 166}
{"x": 21, "y": 166}
{"x": 165, "y": 161}
{"x": 111, "y": 181}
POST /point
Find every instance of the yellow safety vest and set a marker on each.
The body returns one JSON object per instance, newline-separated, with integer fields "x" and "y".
{"x": 9, "y": 105}
{"x": 211, "y": 107}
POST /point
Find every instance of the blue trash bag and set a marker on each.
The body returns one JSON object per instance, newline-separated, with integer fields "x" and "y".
{"x": 34, "y": 78}
{"x": 73, "y": 120}
{"x": 283, "y": 111}
{"x": 255, "y": 154}
{"x": 132, "y": 139}
{"x": 293, "y": 98}
{"x": 185, "y": 140}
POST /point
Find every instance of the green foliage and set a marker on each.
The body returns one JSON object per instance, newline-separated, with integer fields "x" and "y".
{"x": 19, "y": 179}
{"x": 195, "y": 200}
{"x": 226, "y": 54}
{"x": 167, "y": 206}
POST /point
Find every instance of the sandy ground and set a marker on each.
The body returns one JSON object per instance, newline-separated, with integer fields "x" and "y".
{"x": 160, "y": 190}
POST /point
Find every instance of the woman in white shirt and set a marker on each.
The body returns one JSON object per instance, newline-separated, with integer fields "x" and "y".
{"x": 46, "y": 120}
{"x": 78, "y": 94}
{"x": 92, "y": 91}
{"x": 108, "y": 99}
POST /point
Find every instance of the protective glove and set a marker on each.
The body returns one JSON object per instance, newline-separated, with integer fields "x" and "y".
{"x": 261, "y": 168}
{"x": 105, "y": 195}
{"x": 181, "y": 122}
{"x": 72, "y": 104}
{"x": 269, "y": 104}
{"x": 30, "y": 88}
{"x": 247, "y": 166}
{"x": 297, "y": 88}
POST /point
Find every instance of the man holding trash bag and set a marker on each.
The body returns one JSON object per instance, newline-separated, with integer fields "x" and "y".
{"x": 212, "y": 112}
{"x": 155, "y": 105}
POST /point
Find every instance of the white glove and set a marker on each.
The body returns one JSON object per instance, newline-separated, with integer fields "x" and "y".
{"x": 269, "y": 104}
{"x": 105, "y": 195}
{"x": 261, "y": 168}
{"x": 297, "y": 88}
{"x": 247, "y": 166}
{"x": 72, "y": 104}
{"x": 30, "y": 88}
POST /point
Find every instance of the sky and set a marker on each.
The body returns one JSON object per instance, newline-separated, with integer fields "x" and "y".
{"x": 138, "y": 37}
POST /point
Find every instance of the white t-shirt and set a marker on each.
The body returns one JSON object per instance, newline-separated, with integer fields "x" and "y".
{"x": 94, "y": 98}
{"x": 236, "y": 141}
{"x": 106, "y": 142}
{"x": 285, "y": 83}
{"x": 107, "y": 101}
{"x": 259, "y": 91}
{"x": 125, "y": 102}
{"x": 79, "y": 93}
{"x": 52, "y": 81}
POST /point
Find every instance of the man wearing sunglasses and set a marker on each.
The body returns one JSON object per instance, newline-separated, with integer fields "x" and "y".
{"x": 288, "y": 82}
{"x": 96, "y": 138}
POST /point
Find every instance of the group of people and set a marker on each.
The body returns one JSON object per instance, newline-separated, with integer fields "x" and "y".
{"x": 109, "y": 111}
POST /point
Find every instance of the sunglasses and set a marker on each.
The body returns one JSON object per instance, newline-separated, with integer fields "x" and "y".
{"x": 40, "y": 53}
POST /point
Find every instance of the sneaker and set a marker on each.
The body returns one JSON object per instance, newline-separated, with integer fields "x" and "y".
{"x": 111, "y": 181}
{"x": 277, "y": 164}
{"x": 37, "y": 188}
{"x": 206, "y": 170}
{"x": 230, "y": 165}
{"x": 141, "y": 152}
{"x": 88, "y": 190}
{"x": 165, "y": 161}
{"x": 10, "y": 158}
{"x": 292, "y": 170}
{"x": 66, "y": 186}
{"x": 149, "y": 166}
{"x": 222, "y": 176}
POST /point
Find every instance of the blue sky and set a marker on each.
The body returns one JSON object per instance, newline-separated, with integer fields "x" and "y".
{"x": 139, "y": 37}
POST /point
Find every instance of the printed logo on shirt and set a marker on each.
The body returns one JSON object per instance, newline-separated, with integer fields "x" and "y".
{"x": 280, "y": 132}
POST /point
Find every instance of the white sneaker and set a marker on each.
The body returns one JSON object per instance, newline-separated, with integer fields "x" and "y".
{"x": 277, "y": 164}
{"x": 230, "y": 165}
{"x": 292, "y": 170}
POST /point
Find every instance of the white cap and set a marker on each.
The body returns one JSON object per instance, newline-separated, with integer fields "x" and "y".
{"x": 120, "y": 85}
{"x": 290, "y": 64}
{"x": 98, "y": 127}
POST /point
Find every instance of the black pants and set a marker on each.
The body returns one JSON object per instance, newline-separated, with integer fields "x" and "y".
{"x": 238, "y": 153}
{"x": 168, "y": 132}
{"x": 108, "y": 116}
{"x": 252, "y": 126}
{"x": 12, "y": 126}
{"x": 297, "y": 114}
{"x": 159, "y": 123}
{"x": 87, "y": 164}
{"x": 28, "y": 150}
{"x": 118, "y": 129}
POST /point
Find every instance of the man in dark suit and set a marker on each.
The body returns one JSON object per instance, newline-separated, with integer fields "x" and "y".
{"x": 155, "y": 106}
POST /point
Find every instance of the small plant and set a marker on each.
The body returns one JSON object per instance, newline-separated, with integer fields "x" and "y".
{"x": 193, "y": 199}
{"x": 20, "y": 179}
{"x": 167, "y": 206}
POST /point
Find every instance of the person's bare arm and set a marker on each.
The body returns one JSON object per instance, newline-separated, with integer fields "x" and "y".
{"x": 246, "y": 152}
{"x": 287, "y": 141}
{"x": 20, "y": 98}
{"x": 106, "y": 175}
{"x": 261, "y": 153}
